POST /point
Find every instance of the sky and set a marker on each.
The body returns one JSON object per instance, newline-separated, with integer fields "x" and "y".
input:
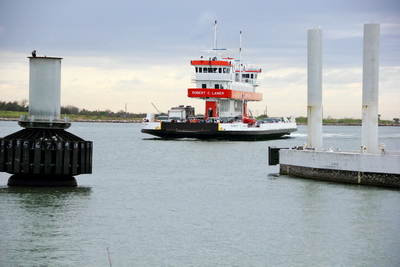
{"x": 137, "y": 53}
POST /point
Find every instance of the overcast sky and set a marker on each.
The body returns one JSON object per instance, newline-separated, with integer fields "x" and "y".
{"x": 138, "y": 52}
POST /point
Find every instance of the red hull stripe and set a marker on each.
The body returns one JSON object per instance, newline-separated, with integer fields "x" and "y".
{"x": 223, "y": 93}
{"x": 210, "y": 63}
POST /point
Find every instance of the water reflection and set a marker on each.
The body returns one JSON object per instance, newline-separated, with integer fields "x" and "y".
{"x": 37, "y": 222}
{"x": 55, "y": 193}
{"x": 196, "y": 203}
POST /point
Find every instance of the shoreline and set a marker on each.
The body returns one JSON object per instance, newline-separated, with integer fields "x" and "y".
{"x": 139, "y": 121}
{"x": 352, "y": 124}
{"x": 86, "y": 120}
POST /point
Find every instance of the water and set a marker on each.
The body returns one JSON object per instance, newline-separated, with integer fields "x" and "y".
{"x": 153, "y": 202}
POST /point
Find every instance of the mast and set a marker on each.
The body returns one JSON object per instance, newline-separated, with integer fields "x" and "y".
{"x": 240, "y": 56}
{"x": 215, "y": 38}
{"x": 240, "y": 71}
{"x": 215, "y": 35}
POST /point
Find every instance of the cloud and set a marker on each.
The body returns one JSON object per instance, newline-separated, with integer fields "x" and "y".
{"x": 139, "y": 52}
{"x": 203, "y": 28}
{"x": 342, "y": 76}
{"x": 287, "y": 75}
{"x": 127, "y": 85}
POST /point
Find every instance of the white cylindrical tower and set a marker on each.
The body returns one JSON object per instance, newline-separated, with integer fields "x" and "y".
{"x": 44, "y": 89}
{"x": 314, "y": 84}
{"x": 44, "y": 154}
{"x": 370, "y": 88}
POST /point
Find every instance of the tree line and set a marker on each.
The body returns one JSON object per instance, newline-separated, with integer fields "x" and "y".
{"x": 22, "y": 106}
{"x": 14, "y": 106}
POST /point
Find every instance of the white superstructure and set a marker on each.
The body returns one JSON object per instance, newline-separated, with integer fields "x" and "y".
{"x": 224, "y": 83}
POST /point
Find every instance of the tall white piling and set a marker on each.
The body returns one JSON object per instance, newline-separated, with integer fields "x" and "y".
{"x": 314, "y": 84}
{"x": 44, "y": 88}
{"x": 370, "y": 95}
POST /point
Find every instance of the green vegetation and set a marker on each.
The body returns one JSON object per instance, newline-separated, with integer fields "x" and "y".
{"x": 13, "y": 110}
{"x": 98, "y": 115}
{"x": 14, "y": 106}
{"x": 347, "y": 121}
{"x": 12, "y": 114}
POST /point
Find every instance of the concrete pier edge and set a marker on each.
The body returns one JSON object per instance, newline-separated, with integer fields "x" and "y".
{"x": 342, "y": 176}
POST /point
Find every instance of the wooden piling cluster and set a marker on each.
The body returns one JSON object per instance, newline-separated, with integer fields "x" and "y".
{"x": 45, "y": 152}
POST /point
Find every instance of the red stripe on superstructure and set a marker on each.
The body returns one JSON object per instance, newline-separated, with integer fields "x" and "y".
{"x": 223, "y": 93}
{"x": 210, "y": 63}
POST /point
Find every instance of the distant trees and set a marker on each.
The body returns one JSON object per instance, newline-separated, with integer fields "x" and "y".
{"x": 68, "y": 110}
{"x": 22, "y": 106}
{"x": 24, "y": 103}
{"x": 14, "y": 106}
{"x": 72, "y": 110}
{"x": 262, "y": 116}
{"x": 110, "y": 114}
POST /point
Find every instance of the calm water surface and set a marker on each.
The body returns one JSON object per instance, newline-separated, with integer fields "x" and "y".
{"x": 154, "y": 202}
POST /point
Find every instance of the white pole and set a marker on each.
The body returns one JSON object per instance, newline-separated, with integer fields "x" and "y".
{"x": 240, "y": 72}
{"x": 215, "y": 37}
{"x": 314, "y": 84}
{"x": 370, "y": 96}
{"x": 44, "y": 88}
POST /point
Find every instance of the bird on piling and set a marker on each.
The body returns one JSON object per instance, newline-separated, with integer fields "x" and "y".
{"x": 34, "y": 53}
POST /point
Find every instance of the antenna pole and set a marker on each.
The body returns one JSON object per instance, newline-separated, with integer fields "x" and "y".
{"x": 215, "y": 35}
{"x": 240, "y": 57}
{"x": 240, "y": 71}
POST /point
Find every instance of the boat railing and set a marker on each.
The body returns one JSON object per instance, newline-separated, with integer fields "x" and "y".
{"x": 251, "y": 69}
{"x": 211, "y": 77}
{"x": 248, "y": 80}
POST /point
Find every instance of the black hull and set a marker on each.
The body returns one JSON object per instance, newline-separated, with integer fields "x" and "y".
{"x": 210, "y": 131}
{"x": 218, "y": 135}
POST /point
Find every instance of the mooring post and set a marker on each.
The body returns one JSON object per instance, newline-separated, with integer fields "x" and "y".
{"x": 370, "y": 94}
{"x": 314, "y": 84}
{"x": 43, "y": 153}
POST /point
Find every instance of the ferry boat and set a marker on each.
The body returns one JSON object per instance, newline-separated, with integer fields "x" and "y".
{"x": 227, "y": 86}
